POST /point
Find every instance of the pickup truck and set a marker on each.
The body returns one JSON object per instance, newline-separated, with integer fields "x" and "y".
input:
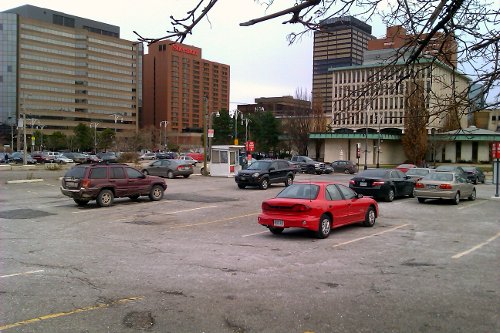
{"x": 308, "y": 165}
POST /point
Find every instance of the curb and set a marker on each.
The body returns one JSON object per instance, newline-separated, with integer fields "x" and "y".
{"x": 24, "y": 181}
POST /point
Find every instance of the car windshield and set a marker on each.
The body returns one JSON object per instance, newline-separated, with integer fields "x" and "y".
{"x": 381, "y": 173}
{"x": 445, "y": 168}
{"x": 300, "y": 191}
{"x": 417, "y": 172}
{"x": 469, "y": 169}
{"x": 259, "y": 165}
{"x": 444, "y": 177}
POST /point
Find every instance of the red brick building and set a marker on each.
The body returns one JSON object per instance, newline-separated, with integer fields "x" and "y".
{"x": 397, "y": 38}
{"x": 176, "y": 81}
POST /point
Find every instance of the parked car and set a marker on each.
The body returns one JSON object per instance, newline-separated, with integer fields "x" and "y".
{"x": 93, "y": 159}
{"x": 188, "y": 159}
{"x": 148, "y": 156}
{"x": 405, "y": 167}
{"x": 108, "y": 157}
{"x": 18, "y": 158}
{"x": 104, "y": 182}
{"x": 474, "y": 174}
{"x": 263, "y": 173}
{"x": 169, "y": 168}
{"x": 344, "y": 166}
{"x": 419, "y": 173}
{"x": 384, "y": 184}
{"x": 76, "y": 157}
{"x": 42, "y": 157}
{"x": 317, "y": 206}
{"x": 452, "y": 168}
{"x": 167, "y": 154}
{"x": 63, "y": 159}
{"x": 308, "y": 165}
{"x": 197, "y": 156}
{"x": 444, "y": 185}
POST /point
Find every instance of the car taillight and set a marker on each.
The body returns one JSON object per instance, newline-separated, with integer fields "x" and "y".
{"x": 300, "y": 208}
{"x": 86, "y": 183}
{"x": 265, "y": 206}
{"x": 445, "y": 186}
{"x": 378, "y": 183}
{"x": 352, "y": 182}
{"x": 419, "y": 185}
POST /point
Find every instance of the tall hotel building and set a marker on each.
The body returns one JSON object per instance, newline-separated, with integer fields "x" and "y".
{"x": 60, "y": 70}
{"x": 179, "y": 89}
{"x": 340, "y": 42}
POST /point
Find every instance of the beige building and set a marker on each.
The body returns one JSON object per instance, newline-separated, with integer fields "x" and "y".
{"x": 60, "y": 70}
{"x": 368, "y": 109}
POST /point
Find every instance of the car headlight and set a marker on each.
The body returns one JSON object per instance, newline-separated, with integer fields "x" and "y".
{"x": 255, "y": 175}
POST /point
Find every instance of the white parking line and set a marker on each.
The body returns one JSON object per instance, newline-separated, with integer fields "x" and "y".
{"x": 372, "y": 235}
{"x": 24, "y": 273}
{"x": 472, "y": 205}
{"x": 478, "y": 246}
{"x": 257, "y": 233}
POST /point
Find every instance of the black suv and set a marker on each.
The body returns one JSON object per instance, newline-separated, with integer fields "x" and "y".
{"x": 104, "y": 182}
{"x": 262, "y": 173}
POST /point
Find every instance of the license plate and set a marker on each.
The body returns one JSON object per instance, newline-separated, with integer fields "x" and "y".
{"x": 71, "y": 184}
{"x": 279, "y": 223}
{"x": 363, "y": 184}
{"x": 431, "y": 186}
{"x": 243, "y": 178}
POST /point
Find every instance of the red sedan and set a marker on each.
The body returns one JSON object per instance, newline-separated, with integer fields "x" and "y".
{"x": 405, "y": 167}
{"x": 317, "y": 206}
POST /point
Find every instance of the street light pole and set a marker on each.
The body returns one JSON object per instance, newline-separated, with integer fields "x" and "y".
{"x": 378, "y": 143}
{"x": 366, "y": 139}
{"x": 164, "y": 123}
{"x": 94, "y": 125}
{"x": 41, "y": 136}
{"x": 205, "y": 136}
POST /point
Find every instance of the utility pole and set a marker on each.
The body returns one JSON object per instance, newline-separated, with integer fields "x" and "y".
{"x": 94, "y": 125}
{"x": 205, "y": 136}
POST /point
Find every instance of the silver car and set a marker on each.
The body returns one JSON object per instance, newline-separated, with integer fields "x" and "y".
{"x": 444, "y": 185}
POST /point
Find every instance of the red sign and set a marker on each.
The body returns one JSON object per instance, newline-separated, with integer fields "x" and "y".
{"x": 495, "y": 150}
{"x": 183, "y": 49}
{"x": 250, "y": 146}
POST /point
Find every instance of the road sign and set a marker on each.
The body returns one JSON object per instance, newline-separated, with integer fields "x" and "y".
{"x": 250, "y": 146}
{"x": 495, "y": 150}
{"x": 211, "y": 133}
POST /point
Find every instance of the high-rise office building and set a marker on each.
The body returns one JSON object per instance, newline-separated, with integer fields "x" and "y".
{"x": 180, "y": 89}
{"x": 59, "y": 70}
{"x": 340, "y": 42}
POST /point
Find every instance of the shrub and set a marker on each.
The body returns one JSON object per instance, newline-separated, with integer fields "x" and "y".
{"x": 129, "y": 157}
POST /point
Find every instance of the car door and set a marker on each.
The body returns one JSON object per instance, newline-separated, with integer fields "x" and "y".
{"x": 119, "y": 180}
{"x": 337, "y": 206}
{"x": 402, "y": 185}
{"x": 155, "y": 168}
{"x": 464, "y": 186}
{"x": 357, "y": 209}
{"x": 274, "y": 172}
{"x": 137, "y": 182}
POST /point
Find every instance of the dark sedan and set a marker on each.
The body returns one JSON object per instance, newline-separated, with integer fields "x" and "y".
{"x": 18, "y": 158}
{"x": 169, "y": 168}
{"x": 384, "y": 184}
{"x": 474, "y": 174}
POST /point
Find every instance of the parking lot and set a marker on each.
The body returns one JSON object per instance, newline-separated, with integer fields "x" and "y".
{"x": 198, "y": 261}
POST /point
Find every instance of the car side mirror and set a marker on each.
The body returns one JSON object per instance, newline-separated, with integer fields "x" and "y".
{"x": 359, "y": 196}
{"x": 271, "y": 169}
{"x": 143, "y": 176}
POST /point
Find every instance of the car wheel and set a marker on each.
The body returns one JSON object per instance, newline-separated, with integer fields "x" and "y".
{"x": 105, "y": 198}
{"x": 289, "y": 181}
{"x": 456, "y": 200}
{"x": 370, "y": 217}
{"x": 170, "y": 174}
{"x": 185, "y": 176}
{"x": 156, "y": 193}
{"x": 264, "y": 184}
{"x": 241, "y": 186}
{"x": 134, "y": 197}
{"x": 472, "y": 196}
{"x": 324, "y": 226}
{"x": 475, "y": 181}
{"x": 412, "y": 193}
{"x": 421, "y": 200}
{"x": 275, "y": 230}
{"x": 390, "y": 195}
{"x": 346, "y": 171}
{"x": 81, "y": 202}
{"x": 146, "y": 172}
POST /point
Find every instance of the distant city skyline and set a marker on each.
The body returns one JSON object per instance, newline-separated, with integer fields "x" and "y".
{"x": 262, "y": 63}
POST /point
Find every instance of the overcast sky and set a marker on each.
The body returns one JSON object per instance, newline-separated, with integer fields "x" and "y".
{"x": 262, "y": 63}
